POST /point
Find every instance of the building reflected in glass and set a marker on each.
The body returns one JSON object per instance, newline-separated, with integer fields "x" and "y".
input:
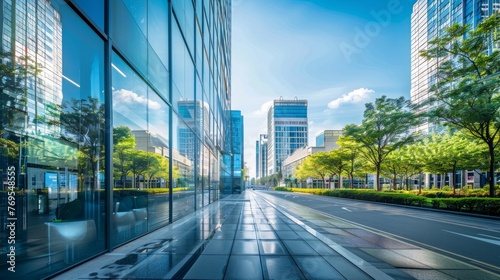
{"x": 112, "y": 125}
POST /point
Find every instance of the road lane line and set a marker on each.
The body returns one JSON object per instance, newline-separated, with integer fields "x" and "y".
{"x": 477, "y": 238}
{"x": 489, "y": 236}
{"x": 343, "y": 208}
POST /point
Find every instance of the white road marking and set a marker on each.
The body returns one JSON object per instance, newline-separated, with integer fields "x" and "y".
{"x": 492, "y": 241}
{"x": 490, "y": 236}
{"x": 343, "y": 208}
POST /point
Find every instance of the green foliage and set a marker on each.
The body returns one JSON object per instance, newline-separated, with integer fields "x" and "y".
{"x": 384, "y": 129}
{"x": 283, "y": 189}
{"x": 466, "y": 95}
{"x": 439, "y": 200}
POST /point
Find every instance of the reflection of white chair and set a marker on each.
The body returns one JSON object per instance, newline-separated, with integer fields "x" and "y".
{"x": 123, "y": 220}
{"x": 71, "y": 232}
{"x": 141, "y": 214}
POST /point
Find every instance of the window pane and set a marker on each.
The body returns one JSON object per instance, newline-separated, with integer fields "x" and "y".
{"x": 52, "y": 137}
{"x": 94, "y": 9}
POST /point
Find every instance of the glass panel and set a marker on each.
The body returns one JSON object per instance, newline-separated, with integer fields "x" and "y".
{"x": 94, "y": 9}
{"x": 52, "y": 138}
{"x": 183, "y": 161}
{"x": 128, "y": 29}
{"x": 157, "y": 175}
{"x": 130, "y": 155}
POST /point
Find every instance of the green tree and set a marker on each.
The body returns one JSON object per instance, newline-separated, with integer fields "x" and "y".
{"x": 335, "y": 163}
{"x": 123, "y": 147}
{"x": 83, "y": 123}
{"x": 447, "y": 153}
{"x": 351, "y": 152}
{"x": 385, "y": 127}
{"x": 157, "y": 168}
{"x": 139, "y": 164}
{"x": 466, "y": 94}
{"x": 312, "y": 167}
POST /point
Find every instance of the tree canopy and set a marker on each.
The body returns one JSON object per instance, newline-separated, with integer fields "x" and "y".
{"x": 466, "y": 92}
{"x": 386, "y": 126}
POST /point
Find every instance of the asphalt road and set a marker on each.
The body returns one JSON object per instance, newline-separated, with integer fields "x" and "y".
{"x": 474, "y": 240}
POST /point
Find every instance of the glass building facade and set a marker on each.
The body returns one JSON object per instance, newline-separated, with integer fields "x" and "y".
{"x": 107, "y": 108}
{"x": 238, "y": 151}
{"x": 261, "y": 156}
{"x": 430, "y": 18}
{"x": 286, "y": 131}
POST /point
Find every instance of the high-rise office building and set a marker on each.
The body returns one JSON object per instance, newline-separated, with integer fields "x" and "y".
{"x": 287, "y": 130}
{"x": 101, "y": 102}
{"x": 238, "y": 151}
{"x": 430, "y": 18}
{"x": 261, "y": 156}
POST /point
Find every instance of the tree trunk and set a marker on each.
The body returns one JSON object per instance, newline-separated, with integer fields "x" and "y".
{"x": 452, "y": 178}
{"x": 491, "y": 175}
{"x": 377, "y": 178}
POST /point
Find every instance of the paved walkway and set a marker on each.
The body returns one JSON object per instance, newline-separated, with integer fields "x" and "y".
{"x": 250, "y": 236}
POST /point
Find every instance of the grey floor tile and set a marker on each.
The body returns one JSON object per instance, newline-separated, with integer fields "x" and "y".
{"x": 265, "y": 227}
{"x": 271, "y": 247}
{"x": 208, "y": 267}
{"x": 322, "y": 248}
{"x": 346, "y": 268}
{"x": 299, "y": 248}
{"x": 280, "y": 267}
{"x": 266, "y": 235}
{"x": 156, "y": 266}
{"x": 246, "y": 227}
{"x": 244, "y": 267}
{"x": 245, "y": 247}
{"x": 248, "y": 234}
{"x": 395, "y": 259}
{"x": 218, "y": 247}
{"x": 224, "y": 235}
{"x": 287, "y": 234}
{"x": 317, "y": 268}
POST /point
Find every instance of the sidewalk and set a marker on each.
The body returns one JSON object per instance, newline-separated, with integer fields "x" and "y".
{"x": 250, "y": 237}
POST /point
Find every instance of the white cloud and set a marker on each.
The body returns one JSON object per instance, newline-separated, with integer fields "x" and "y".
{"x": 264, "y": 109}
{"x": 130, "y": 97}
{"x": 355, "y": 96}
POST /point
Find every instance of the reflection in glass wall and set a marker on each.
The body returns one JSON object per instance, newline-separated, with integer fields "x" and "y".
{"x": 168, "y": 104}
{"x": 52, "y": 138}
{"x": 183, "y": 165}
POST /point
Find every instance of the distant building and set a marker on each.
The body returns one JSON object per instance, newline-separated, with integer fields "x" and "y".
{"x": 261, "y": 156}
{"x": 287, "y": 131}
{"x": 325, "y": 141}
{"x": 237, "y": 138}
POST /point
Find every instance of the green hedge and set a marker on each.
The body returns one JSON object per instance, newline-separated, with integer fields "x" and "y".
{"x": 487, "y": 206}
{"x": 479, "y": 205}
{"x": 385, "y": 197}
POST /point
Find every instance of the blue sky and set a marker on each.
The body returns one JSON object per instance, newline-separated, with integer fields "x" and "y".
{"x": 337, "y": 54}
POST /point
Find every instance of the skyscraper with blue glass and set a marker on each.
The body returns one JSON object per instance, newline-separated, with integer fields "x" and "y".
{"x": 430, "y": 18}
{"x": 287, "y": 130}
{"x": 237, "y": 144}
{"x": 108, "y": 107}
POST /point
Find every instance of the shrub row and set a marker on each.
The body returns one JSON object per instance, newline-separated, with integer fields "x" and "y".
{"x": 479, "y": 205}
{"x": 486, "y": 206}
{"x": 385, "y": 197}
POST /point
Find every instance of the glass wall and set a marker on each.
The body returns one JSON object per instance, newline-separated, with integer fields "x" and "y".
{"x": 106, "y": 136}
{"x": 52, "y": 138}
